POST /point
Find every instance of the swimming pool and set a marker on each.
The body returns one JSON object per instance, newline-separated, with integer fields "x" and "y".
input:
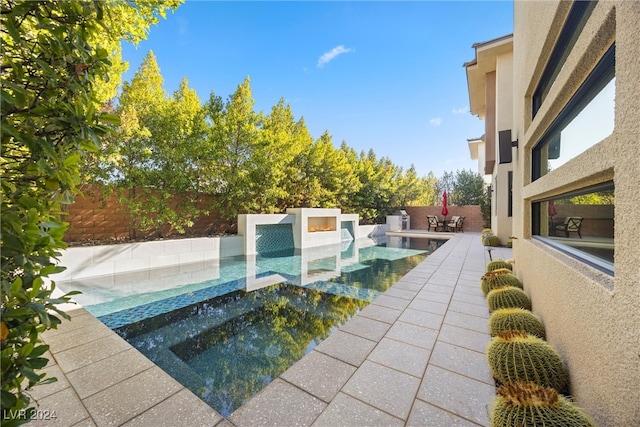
{"x": 228, "y": 336}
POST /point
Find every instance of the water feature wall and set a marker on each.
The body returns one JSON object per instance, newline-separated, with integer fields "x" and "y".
{"x": 274, "y": 239}
{"x": 346, "y": 231}
{"x": 308, "y": 227}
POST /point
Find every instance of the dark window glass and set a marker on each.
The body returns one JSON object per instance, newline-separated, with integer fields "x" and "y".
{"x": 577, "y": 18}
{"x": 505, "y": 146}
{"x": 580, "y": 223}
{"x": 510, "y": 206}
{"x": 587, "y": 119}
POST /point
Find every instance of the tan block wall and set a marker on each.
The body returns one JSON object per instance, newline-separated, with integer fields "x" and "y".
{"x": 472, "y": 221}
{"x": 596, "y": 219}
{"x": 593, "y": 319}
{"x": 92, "y": 217}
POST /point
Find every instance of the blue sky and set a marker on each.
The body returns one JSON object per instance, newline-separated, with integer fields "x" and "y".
{"x": 381, "y": 75}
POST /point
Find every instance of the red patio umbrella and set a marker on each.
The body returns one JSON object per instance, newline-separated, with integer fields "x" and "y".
{"x": 552, "y": 209}
{"x": 445, "y": 211}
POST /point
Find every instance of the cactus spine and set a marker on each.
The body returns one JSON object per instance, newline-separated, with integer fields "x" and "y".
{"x": 528, "y": 405}
{"x": 499, "y": 278}
{"x": 516, "y": 356}
{"x": 491, "y": 240}
{"x": 507, "y": 297}
{"x": 516, "y": 319}
{"x": 498, "y": 263}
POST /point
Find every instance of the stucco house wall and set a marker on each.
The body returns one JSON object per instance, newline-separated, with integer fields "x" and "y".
{"x": 490, "y": 83}
{"x": 592, "y": 318}
{"x": 501, "y": 221}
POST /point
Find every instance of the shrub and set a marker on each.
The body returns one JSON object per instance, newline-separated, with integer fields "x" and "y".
{"x": 50, "y": 121}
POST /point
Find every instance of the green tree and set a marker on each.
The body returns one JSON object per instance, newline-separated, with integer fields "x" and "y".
{"x": 234, "y": 175}
{"x": 149, "y": 161}
{"x": 376, "y": 196}
{"x": 295, "y": 179}
{"x": 411, "y": 189}
{"x": 469, "y": 188}
{"x": 128, "y": 21}
{"x": 463, "y": 187}
{"x": 127, "y": 159}
{"x": 430, "y": 195}
{"x": 446, "y": 183}
{"x": 175, "y": 180}
{"x": 328, "y": 176}
{"x": 52, "y": 59}
{"x": 284, "y": 142}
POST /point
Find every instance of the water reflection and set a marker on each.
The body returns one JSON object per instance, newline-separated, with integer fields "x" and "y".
{"x": 227, "y": 348}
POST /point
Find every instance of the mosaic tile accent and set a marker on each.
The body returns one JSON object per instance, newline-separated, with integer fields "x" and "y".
{"x": 132, "y": 306}
{"x": 135, "y": 314}
{"x": 274, "y": 238}
{"x": 346, "y": 230}
{"x": 345, "y": 290}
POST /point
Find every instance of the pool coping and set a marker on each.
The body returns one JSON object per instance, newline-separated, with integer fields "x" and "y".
{"x": 414, "y": 356}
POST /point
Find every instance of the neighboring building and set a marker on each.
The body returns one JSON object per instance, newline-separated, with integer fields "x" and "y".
{"x": 490, "y": 81}
{"x": 576, "y": 120}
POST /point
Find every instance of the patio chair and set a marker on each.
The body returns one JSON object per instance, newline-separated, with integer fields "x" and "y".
{"x": 432, "y": 222}
{"x": 451, "y": 225}
{"x": 459, "y": 224}
{"x": 570, "y": 224}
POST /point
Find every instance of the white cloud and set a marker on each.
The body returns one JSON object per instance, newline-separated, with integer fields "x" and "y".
{"x": 183, "y": 26}
{"x": 435, "y": 122}
{"x": 460, "y": 110}
{"x": 332, "y": 54}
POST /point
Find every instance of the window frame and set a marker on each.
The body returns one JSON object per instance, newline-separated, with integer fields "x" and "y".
{"x": 601, "y": 75}
{"x": 582, "y": 256}
{"x": 572, "y": 28}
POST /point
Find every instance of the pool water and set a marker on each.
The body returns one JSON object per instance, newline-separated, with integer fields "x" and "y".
{"x": 228, "y": 337}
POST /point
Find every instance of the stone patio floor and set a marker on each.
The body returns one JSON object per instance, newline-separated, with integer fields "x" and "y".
{"x": 413, "y": 357}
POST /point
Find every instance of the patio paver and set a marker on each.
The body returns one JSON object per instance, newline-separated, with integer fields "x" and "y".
{"x": 413, "y": 357}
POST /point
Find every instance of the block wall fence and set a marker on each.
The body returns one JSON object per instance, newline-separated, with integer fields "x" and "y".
{"x": 91, "y": 217}
{"x": 471, "y": 213}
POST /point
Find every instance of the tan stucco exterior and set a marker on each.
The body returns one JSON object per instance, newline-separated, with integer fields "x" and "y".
{"x": 591, "y": 318}
{"x": 490, "y": 83}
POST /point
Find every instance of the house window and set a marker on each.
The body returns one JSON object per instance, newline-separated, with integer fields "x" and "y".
{"x": 510, "y": 201}
{"x": 577, "y": 18}
{"x": 587, "y": 119}
{"x": 580, "y": 224}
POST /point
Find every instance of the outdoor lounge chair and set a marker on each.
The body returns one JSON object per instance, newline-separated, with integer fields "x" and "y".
{"x": 457, "y": 226}
{"x": 451, "y": 225}
{"x": 571, "y": 224}
{"x": 432, "y": 222}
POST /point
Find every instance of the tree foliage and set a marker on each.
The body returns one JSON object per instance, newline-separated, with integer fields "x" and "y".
{"x": 53, "y": 57}
{"x": 147, "y": 160}
{"x": 247, "y": 161}
{"x": 469, "y": 188}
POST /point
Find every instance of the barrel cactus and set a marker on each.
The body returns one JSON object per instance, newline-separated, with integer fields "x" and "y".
{"x": 507, "y": 297}
{"x": 517, "y": 356}
{"x": 527, "y": 404}
{"x": 491, "y": 240}
{"x": 516, "y": 319}
{"x": 499, "y": 278}
{"x": 498, "y": 263}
